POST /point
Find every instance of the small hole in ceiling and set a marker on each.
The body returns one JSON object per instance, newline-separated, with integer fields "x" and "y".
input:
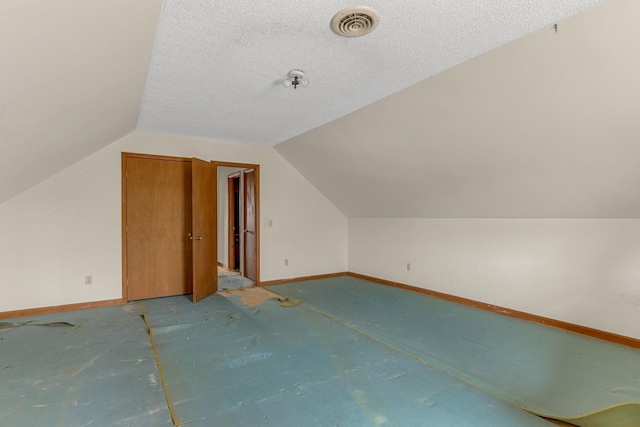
{"x": 355, "y": 21}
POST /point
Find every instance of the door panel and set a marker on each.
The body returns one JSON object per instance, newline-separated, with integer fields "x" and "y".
{"x": 204, "y": 239}
{"x": 158, "y": 218}
{"x": 250, "y": 254}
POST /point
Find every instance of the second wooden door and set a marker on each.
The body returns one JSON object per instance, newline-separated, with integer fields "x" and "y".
{"x": 169, "y": 231}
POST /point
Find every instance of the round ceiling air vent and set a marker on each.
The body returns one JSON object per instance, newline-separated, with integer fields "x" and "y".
{"x": 355, "y": 21}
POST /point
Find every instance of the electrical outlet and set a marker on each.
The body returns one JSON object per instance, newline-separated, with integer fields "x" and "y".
{"x": 286, "y": 262}
{"x": 88, "y": 280}
{"x": 408, "y": 266}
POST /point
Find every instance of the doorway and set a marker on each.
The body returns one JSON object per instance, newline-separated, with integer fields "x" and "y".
{"x": 234, "y": 226}
{"x": 238, "y": 221}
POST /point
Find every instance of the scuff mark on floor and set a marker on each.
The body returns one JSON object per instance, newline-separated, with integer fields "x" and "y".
{"x": 73, "y": 372}
{"x": 152, "y": 379}
{"x": 249, "y": 340}
{"x": 131, "y": 308}
{"x": 396, "y": 376}
{"x": 629, "y": 391}
{"x": 250, "y": 358}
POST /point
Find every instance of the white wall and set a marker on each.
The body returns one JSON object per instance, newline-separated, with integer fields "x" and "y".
{"x": 60, "y": 230}
{"x": 69, "y": 226}
{"x": 583, "y": 271}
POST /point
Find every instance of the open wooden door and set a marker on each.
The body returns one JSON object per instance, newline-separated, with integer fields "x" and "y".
{"x": 250, "y": 247}
{"x": 203, "y": 229}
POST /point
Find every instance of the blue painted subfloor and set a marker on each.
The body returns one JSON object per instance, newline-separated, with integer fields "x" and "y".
{"x": 226, "y": 364}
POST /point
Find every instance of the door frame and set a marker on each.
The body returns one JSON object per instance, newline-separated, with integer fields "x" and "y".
{"x": 216, "y": 164}
{"x": 256, "y": 169}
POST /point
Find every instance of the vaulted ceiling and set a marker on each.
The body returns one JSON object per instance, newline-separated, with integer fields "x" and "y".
{"x": 218, "y": 67}
{"x": 547, "y": 126}
{"x": 72, "y": 75}
{"x": 448, "y": 109}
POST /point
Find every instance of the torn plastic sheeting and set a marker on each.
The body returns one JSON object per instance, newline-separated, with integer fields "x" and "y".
{"x": 298, "y": 367}
{"x": 48, "y": 367}
{"x": 549, "y": 372}
{"x": 287, "y": 302}
{"x": 5, "y": 326}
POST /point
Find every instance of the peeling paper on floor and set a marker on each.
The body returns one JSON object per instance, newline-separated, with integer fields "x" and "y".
{"x": 250, "y": 297}
{"x": 287, "y": 302}
{"x": 94, "y": 375}
{"x": 7, "y": 326}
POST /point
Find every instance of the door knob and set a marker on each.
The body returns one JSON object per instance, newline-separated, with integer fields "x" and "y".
{"x": 195, "y": 237}
{"x": 246, "y": 230}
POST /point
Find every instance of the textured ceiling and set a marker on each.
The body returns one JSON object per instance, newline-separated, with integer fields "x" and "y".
{"x": 217, "y": 66}
{"x": 547, "y": 126}
{"x": 501, "y": 115}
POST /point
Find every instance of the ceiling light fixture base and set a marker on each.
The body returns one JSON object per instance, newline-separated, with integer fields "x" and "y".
{"x": 296, "y": 78}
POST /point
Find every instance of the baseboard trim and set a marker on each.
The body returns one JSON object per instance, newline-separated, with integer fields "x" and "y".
{"x": 302, "y": 279}
{"x": 59, "y": 308}
{"x": 571, "y": 327}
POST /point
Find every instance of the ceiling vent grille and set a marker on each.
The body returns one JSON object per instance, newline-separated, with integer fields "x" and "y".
{"x": 355, "y": 21}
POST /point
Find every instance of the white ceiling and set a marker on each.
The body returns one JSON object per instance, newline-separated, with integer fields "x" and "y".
{"x": 543, "y": 126}
{"x": 218, "y": 66}
{"x": 547, "y": 126}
